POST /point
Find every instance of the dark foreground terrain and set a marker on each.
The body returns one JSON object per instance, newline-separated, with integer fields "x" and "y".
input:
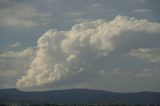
{"x": 77, "y": 97}
{"x": 114, "y": 104}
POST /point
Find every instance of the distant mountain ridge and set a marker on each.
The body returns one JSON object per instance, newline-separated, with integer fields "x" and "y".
{"x": 77, "y": 96}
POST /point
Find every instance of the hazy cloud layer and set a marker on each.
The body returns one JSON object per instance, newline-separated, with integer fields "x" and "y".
{"x": 152, "y": 55}
{"x": 13, "y": 64}
{"x": 13, "y": 14}
{"x": 66, "y": 54}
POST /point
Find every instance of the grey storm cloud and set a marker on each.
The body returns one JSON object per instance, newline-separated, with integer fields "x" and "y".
{"x": 62, "y": 54}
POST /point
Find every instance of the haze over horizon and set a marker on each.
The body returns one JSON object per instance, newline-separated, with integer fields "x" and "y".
{"x": 111, "y": 45}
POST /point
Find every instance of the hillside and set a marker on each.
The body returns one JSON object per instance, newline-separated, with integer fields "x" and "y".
{"x": 77, "y": 96}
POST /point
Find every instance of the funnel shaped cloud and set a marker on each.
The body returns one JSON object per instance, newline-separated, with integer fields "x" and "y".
{"x": 62, "y": 54}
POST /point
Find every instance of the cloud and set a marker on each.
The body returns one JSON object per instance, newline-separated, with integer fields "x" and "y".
{"x": 13, "y": 65}
{"x": 20, "y": 54}
{"x": 74, "y": 14}
{"x": 15, "y": 45}
{"x": 150, "y": 54}
{"x": 142, "y": 11}
{"x": 16, "y": 14}
{"x": 68, "y": 54}
{"x": 148, "y": 72}
{"x": 95, "y": 5}
{"x": 115, "y": 71}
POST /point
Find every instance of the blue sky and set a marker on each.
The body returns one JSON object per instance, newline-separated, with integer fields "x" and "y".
{"x": 99, "y": 44}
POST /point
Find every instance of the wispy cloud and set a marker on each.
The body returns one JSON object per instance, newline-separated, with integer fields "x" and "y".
{"x": 18, "y": 54}
{"x": 148, "y": 72}
{"x": 95, "y": 5}
{"x": 142, "y": 11}
{"x": 21, "y": 15}
{"x": 150, "y": 54}
{"x": 15, "y": 45}
{"x": 74, "y": 14}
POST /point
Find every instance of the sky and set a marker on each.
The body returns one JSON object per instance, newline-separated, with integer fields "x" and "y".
{"x": 111, "y": 45}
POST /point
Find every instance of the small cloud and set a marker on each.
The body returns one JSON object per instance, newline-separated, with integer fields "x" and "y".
{"x": 152, "y": 55}
{"x": 95, "y": 5}
{"x": 102, "y": 72}
{"x": 80, "y": 70}
{"x": 15, "y": 45}
{"x": 148, "y": 72}
{"x": 74, "y": 14}
{"x": 111, "y": 10}
{"x": 142, "y": 11}
{"x": 115, "y": 72}
{"x": 18, "y": 54}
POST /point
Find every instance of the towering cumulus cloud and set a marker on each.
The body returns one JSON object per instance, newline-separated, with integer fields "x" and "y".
{"x": 62, "y": 54}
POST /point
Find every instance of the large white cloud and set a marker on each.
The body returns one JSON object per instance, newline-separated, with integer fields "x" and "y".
{"x": 62, "y": 54}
